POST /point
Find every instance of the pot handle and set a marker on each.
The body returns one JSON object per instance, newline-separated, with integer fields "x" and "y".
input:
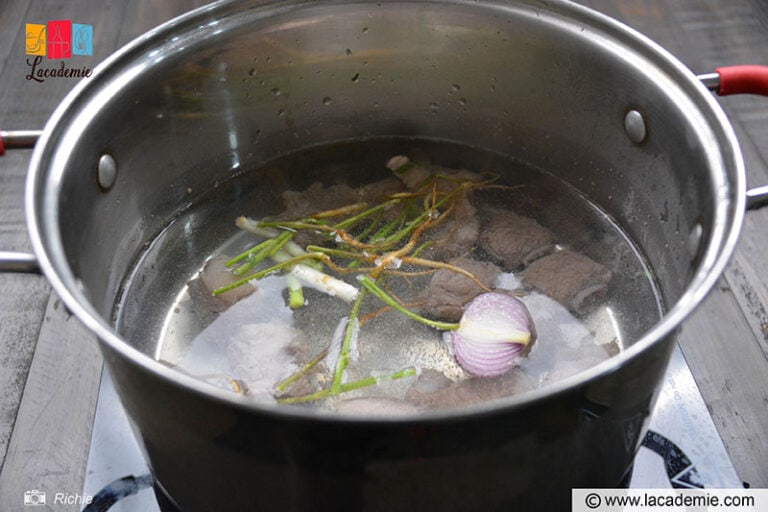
{"x": 757, "y": 197}
{"x": 18, "y": 139}
{"x": 18, "y": 261}
{"x": 744, "y": 79}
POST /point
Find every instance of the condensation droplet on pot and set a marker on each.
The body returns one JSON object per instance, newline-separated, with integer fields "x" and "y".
{"x": 281, "y": 113}
{"x": 107, "y": 171}
{"x": 455, "y": 87}
{"x": 634, "y": 126}
{"x": 356, "y": 78}
{"x": 252, "y": 71}
{"x": 327, "y": 100}
{"x": 365, "y": 30}
{"x": 434, "y": 107}
{"x": 664, "y": 215}
{"x": 348, "y": 52}
{"x": 275, "y": 91}
{"x": 462, "y": 101}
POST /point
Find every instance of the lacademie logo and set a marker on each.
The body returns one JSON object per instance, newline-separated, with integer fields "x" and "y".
{"x": 58, "y": 39}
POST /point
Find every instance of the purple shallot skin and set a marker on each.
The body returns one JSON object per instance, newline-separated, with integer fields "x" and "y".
{"x": 495, "y": 331}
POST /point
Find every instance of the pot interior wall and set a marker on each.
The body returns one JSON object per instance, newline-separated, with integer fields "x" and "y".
{"x": 238, "y": 85}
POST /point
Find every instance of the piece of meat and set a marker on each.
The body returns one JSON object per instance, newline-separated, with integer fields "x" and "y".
{"x": 214, "y": 275}
{"x": 455, "y": 235}
{"x": 378, "y": 191}
{"x": 572, "y": 279}
{"x": 414, "y": 175}
{"x": 316, "y": 198}
{"x": 448, "y": 291}
{"x": 318, "y": 377}
{"x": 512, "y": 239}
{"x": 410, "y": 174}
{"x": 432, "y": 390}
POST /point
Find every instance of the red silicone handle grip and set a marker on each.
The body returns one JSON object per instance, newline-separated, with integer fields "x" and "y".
{"x": 747, "y": 79}
{"x": 2, "y": 146}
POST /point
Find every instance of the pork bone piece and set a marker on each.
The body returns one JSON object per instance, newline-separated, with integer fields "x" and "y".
{"x": 457, "y": 234}
{"x": 448, "y": 291}
{"x": 512, "y": 239}
{"x": 572, "y": 279}
{"x": 433, "y": 390}
{"x": 416, "y": 175}
{"x": 316, "y": 198}
{"x": 215, "y": 274}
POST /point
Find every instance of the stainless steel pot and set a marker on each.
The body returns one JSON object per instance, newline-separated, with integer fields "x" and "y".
{"x": 235, "y": 84}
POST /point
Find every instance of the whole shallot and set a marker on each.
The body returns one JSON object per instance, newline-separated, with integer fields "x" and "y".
{"x": 494, "y": 332}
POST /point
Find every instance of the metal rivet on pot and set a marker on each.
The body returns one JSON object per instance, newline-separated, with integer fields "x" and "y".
{"x": 107, "y": 171}
{"x": 694, "y": 241}
{"x": 634, "y": 125}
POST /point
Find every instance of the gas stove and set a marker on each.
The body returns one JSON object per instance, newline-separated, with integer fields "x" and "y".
{"x": 682, "y": 449}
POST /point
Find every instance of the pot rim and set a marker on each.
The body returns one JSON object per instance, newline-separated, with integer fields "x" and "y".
{"x": 41, "y": 200}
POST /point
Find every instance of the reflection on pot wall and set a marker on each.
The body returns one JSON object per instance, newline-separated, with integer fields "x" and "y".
{"x": 215, "y": 103}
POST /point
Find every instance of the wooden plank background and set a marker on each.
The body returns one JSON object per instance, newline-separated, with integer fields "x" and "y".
{"x": 49, "y": 365}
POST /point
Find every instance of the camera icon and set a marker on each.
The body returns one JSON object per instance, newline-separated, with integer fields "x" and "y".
{"x": 34, "y": 497}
